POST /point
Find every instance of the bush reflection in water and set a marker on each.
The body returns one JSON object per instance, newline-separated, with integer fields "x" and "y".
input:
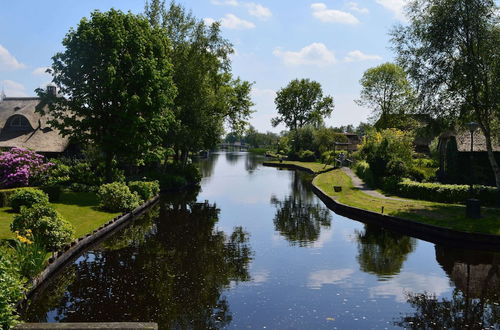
{"x": 141, "y": 273}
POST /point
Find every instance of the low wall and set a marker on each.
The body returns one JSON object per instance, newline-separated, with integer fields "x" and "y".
{"x": 58, "y": 259}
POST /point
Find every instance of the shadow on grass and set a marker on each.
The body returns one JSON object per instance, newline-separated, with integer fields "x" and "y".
{"x": 84, "y": 199}
{"x": 453, "y": 217}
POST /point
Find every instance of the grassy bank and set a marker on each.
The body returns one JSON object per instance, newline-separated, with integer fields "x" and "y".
{"x": 444, "y": 215}
{"x": 315, "y": 167}
{"x": 80, "y": 209}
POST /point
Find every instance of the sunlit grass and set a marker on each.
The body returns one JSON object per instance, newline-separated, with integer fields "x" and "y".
{"x": 80, "y": 209}
{"x": 315, "y": 167}
{"x": 439, "y": 214}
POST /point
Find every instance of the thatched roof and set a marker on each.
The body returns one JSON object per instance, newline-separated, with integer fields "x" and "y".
{"x": 463, "y": 140}
{"x": 40, "y": 137}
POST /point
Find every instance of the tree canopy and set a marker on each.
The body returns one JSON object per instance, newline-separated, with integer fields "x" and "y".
{"x": 115, "y": 77}
{"x": 386, "y": 91}
{"x": 451, "y": 50}
{"x": 208, "y": 96}
{"x": 302, "y": 103}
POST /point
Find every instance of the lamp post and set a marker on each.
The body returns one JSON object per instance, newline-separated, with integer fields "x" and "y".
{"x": 473, "y": 208}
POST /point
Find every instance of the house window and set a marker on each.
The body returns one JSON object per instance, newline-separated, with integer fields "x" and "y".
{"x": 19, "y": 123}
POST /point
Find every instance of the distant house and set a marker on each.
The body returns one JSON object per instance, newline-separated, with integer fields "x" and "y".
{"x": 22, "y": 126}
{"x": 353, "y": 141}
{"x": 455, "y": 158}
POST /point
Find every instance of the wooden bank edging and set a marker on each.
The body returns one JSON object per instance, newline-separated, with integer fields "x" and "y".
{"x": 430, "y": 233}
{"x": 296, "y": 167}
{"x": 58, "y": 259}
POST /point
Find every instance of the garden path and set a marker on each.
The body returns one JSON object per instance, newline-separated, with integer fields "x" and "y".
{"x": 361, "y": 185}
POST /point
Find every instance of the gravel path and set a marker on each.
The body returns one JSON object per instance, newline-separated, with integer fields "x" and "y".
{"x": 358, "y": 183}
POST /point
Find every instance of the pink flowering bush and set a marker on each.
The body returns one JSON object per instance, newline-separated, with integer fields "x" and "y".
{"x": 21, "y": 167}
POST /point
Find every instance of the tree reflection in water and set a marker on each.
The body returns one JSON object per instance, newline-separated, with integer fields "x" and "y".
{"x": 382, "y": 252}
{"x": 298, "y": 218}
{"x": 173, "y": 275}
{"x": 475, "y": 303}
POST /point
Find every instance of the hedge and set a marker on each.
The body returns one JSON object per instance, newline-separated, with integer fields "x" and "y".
{"x": 445, "y": 193}
{"x": 5, "y": 195}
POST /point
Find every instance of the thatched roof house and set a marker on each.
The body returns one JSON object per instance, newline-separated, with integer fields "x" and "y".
{"x": 455, "y": 161}
{"x": 22, "y": 126}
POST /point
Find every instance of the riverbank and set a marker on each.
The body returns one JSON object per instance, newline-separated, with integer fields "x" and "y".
{"x": 447, "y": 216}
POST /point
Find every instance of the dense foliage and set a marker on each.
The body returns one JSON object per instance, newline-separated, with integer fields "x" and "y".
{"x": 145, "y": 190}
{"x": 11, "y": 288}
{"x": 117, "y": 197}
{"x": 46, "y": 224}
{"x": 27, "y": 197}
{"x": 21, "y": 167}
{"x": 123, "y": 103}
{"x": 302, "y": 103}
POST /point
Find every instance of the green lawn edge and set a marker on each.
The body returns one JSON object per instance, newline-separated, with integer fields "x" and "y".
{"x": 313, "y": 166}
{"x": 81, "y": 209}
{"x": 451, "y": 216}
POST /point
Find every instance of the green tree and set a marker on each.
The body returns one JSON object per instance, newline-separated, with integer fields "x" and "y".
{"x": 116, "y": 80}
{"x": 302, "y": 103}
{"x": 451, "y": 50}
{"x": 208, "y": 96}
{"x": 387, "y": 92}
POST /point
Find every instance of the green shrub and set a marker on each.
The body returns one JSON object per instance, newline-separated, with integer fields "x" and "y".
{"x": 145, "y": 189}
{"x": 46, "y": 224}
{"x": 80, "y": 187}
{"x": 82, "y": 173}
{"x": 117, "y": 197}
{"x": 363, "y": 170}
{"x": 11, "y": 288}
{"x": 27, "y": 197}
{"x": 172, "y": 182}
{"x": 59, "y": 174}
{"x": 54, "y": 192}
{"x": 390, "y": 184}
{"x": 445, "y": 193}
{"x": 5, "y": 195}
{"x": 307, "y": 156}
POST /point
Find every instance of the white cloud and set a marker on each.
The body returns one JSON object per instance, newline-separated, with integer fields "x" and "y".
{"x": 258, "y": 10}
{"x": 396, "y": 6}
{"x": 314, "y": 54}
{"x": 40, "y": 71}
{"x": 8, "y": 61}
{"x": 225, "y": 2}
{"x": 328, "y": 276}
{"x": 354, "y": 6}
{"x": 411, "y": 282}
{"x": 321, "y": 12}
{"x": 13, "y": 88}
{"x": 358, "y": 56}
{"x": 231, "y": 21}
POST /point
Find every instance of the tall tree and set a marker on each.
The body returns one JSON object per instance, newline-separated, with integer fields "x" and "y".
{"x": 208, "y": 96}
{"x": 451, "y": 49}
{"x": 386, "y": 91}
{"x": 302, "y": 103}
{"x": 116, "y": 80}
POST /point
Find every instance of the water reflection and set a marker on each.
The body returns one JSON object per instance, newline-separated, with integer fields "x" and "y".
{"x": 382, "y": 252}
{"x": 174, "y": 277}
{"x": 475, "y": 302}
{"x": 298, "y": 218}
{"x": 207, "y": 165}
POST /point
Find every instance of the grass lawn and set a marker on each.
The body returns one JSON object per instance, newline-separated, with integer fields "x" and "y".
{"x": 316, "y": 167}
{"x": 438, "y": 214}
{"x": 80, "y": 209}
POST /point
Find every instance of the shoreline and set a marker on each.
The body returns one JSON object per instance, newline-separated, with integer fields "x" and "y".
{"x": 427, "y": 232}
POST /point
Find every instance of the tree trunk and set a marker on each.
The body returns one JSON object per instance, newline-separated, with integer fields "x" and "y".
{"x": 493, "y": 162}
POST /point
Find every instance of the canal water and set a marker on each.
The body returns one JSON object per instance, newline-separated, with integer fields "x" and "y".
{"x": 255, "y": 248}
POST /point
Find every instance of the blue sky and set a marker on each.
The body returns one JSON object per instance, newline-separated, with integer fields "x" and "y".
{"x": 330, "y": 41}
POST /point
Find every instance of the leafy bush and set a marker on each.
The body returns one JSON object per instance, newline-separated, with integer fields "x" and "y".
{"x": 11, "y": 288}
{"x": 189, "y": 172}
{"x": 117, "y": 197}
{"x": 54, "y": 192}
{"x": 145, "y": 189}
{"x": 5, "y": 195}
{"x": 80, "y": 187}
{"x": 172, "y": 182}
{"x": 445, "y": 193}
{"x": 59, "y": 174}
{"x": 46, "y": 224}
{"x": 307, "y": 156}
{"x": 21, "y": 167}
{"x": 362, "y": 169}
{"x": 83, "y": 174}
{"x": 27, "y": 197}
